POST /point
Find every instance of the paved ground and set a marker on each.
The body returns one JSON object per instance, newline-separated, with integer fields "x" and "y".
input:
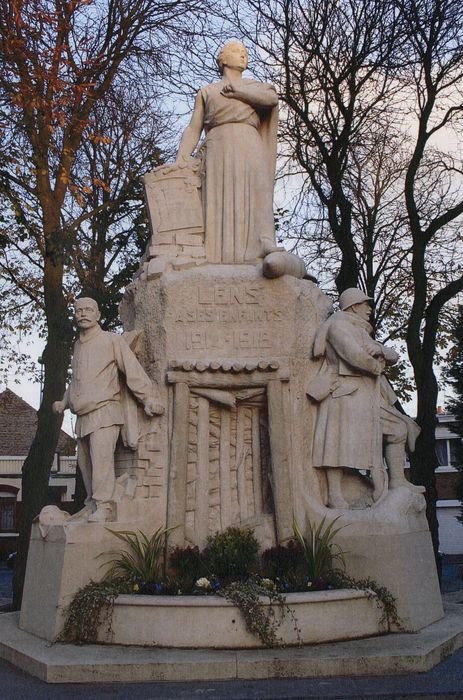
{"x": 452, "y": 573}
{"x": 5, "y": 585}
{"x": 444, "y": 681}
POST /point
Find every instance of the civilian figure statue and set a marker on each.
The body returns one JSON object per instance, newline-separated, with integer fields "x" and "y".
{"x": 356, "y": 418}
{"x": 239, "y": 117}
{"x": 95, "y": 395}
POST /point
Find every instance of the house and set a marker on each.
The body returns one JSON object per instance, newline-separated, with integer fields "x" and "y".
{"x": 18, "y": 422}
{"x": 447, "y": 478}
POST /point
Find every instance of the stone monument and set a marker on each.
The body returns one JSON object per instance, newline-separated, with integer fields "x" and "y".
{"x": 245, "y": 358}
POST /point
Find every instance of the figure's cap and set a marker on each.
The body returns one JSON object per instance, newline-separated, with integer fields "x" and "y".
{"x": 352, "y": 296}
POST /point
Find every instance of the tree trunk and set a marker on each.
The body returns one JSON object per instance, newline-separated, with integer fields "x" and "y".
{"x": 424, "y": 460}
{"x": 80, "y": 493}
{"x": 36, "y": 468}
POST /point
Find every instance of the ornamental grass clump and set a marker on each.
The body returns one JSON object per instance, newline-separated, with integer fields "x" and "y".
{"x": 320, "y": 554}
{"x": 143, "y": 561}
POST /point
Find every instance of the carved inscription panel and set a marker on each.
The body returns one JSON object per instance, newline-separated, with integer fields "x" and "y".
{"x": 252, "y": 318}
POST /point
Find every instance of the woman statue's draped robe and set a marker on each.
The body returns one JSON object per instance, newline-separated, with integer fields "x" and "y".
{"x": 239, "y": 173}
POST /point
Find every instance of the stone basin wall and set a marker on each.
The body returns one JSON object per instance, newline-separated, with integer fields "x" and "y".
{"x": 211, "y": 622}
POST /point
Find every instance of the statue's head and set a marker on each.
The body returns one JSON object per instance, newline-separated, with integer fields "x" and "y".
{"x": 355, "y": 301}
{"x": 352, "y": 296}
{"x": 233, "y": 54}
{"x": 87, "y": 313}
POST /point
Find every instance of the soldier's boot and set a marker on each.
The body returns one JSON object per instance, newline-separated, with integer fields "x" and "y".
{"x": 395, "y": 459}
{"x": 335, "y": 495}
{"x": 102, "y": 514}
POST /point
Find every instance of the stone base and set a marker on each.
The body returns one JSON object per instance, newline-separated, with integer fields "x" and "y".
{"x": 405, "y": 566}
{"x": 210, "y": 622}
{"x": 396, "y": 554}
{"x": 69, "y": 557}
{"x": 390, "y": 543}
{"x": 391, "y": 654}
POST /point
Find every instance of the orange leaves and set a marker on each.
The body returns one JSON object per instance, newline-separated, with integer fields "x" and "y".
{"x": 87, "y": 189}
{"x": 98, "y": 138}
{"x": 78, "y": 192}
{"x": 17, "y": 15}
{"x": 99, "y": 183}
{"x": 60, "y": 118}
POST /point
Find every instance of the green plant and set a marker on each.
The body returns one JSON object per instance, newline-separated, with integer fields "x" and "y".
{"x": 188, "y": 565}
{"x": 91, "y": 607}
{"x": 284, "y": 562}
{"x": 232, "y": 553}
{"x": 319, "y": 551}
{"x": 143, "y": 560}
{"x": 384, "y": 598}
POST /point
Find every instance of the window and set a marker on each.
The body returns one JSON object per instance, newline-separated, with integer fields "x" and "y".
{"x": 7, "y": 514}
{"x": 55, "y": 467}
{"x": 449, "y": 452}
{"x": 455, "y": 450}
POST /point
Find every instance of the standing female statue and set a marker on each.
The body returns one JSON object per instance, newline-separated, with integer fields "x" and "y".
{"x": 239, "y": 117}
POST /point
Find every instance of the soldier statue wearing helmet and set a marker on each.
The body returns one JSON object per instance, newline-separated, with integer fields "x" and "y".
{"x": 356, "y": 417}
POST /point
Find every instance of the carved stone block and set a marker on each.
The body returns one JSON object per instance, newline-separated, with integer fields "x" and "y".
{"x": 174, "y": 200}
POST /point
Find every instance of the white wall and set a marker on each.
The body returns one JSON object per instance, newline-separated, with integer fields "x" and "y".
{"x": 450, "y": 529}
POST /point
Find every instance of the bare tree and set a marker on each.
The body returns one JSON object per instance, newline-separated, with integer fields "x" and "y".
{"x": 372, "y": 93}
{"x": 434, "y": 199}
{"x": 330, "y": 61}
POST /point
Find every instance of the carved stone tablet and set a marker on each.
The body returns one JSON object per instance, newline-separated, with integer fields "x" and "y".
{"x": 173, "y": 195}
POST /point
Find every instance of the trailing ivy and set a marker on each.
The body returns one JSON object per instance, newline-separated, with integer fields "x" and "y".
{"x": 384, "y": 598}
{"x": 92, "y": 607}
{"x": 260, "y": 619}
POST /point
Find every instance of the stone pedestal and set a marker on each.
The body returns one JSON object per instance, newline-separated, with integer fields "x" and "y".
{"x": 68, "y": 558}
{"x": 230, "y": 350}
{"x": 390, "y": 544}
{"x": 403, "y": 562}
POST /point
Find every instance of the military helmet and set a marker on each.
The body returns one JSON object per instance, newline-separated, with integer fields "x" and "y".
{"x": 352, "y": 296}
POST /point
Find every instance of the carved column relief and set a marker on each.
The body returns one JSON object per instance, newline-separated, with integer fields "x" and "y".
{"x": 225, "y": 463}
{"x": 178, "y": 464}
{"x": 235, "y": 463}
{"x": 281, "y": 483}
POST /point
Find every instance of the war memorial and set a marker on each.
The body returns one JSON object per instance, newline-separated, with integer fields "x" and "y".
{"x": 234, "y": 398}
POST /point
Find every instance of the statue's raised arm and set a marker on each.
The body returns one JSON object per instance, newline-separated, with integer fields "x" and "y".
{"x": 239, "y": 118}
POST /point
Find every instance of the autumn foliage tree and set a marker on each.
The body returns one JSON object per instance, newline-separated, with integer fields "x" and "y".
{"x": 59, "y": 60}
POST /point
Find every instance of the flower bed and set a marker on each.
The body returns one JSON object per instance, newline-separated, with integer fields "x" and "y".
{"x": 305, "y": 600}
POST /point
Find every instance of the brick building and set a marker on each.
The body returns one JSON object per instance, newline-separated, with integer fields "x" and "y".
{"x": 18, "y": 422}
